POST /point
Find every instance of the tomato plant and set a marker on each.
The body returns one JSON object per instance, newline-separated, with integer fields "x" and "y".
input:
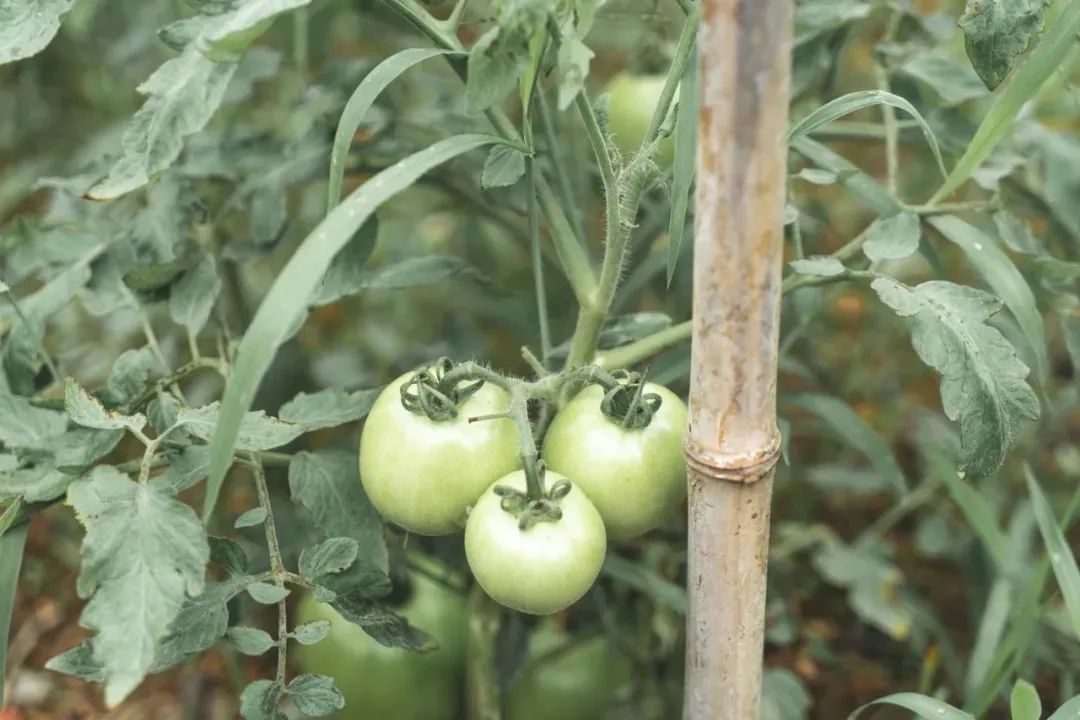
{"x": 381, "y": 681}
{"x": 635, "y": 476}
{"x": 632, "y": 103}
{"x": 542, "y": 567}
{"x": 422, "y": 473}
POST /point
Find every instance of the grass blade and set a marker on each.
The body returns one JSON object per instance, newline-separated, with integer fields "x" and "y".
{"x": 847, "y": 104}
{"x": 12, "y": 544}
{"x": 360, "y": 102}
{"x": 290, "y": 293}
{"x": 1061, "y": 558}
{"x": 999, "y": 272}
{"x": 922, "y": 705}
{"x": 1021, "y": 86}
{"x": 684, "y": 166}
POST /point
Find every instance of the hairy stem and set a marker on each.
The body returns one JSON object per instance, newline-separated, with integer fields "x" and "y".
{"x": 277, "y": 565}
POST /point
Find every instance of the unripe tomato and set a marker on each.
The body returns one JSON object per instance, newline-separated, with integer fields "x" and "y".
{"x": 422, "y": 474}
{"x": 383, "y": 682}
{"x": 633, "y": 101}
{"x": 567, "y": 678}
{"x": 634, "y": 477}
{"x": 541, "y": 569}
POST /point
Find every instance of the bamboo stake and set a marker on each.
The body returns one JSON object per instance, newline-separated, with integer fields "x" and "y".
{"x": 732, "y": 442}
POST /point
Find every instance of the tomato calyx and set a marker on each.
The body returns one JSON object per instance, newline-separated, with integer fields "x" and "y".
{"x": 530, "y": 511}
{"x": 433, "y": 391}
{"x": 627, "y": 404}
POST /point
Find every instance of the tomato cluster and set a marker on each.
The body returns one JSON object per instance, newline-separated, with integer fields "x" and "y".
{"x": 440, "y": 454}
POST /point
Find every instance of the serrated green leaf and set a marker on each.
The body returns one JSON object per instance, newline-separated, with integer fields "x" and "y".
{"x": 36, "y": 484}
{"x": 297, "y": 281}
{"x": 997, "y": 32}
{"x": 12, "y": 544}
{"x": 982, "y": 381}
{"x": 328, "y": 408}
{"x": 249, "y": 640}
{"x": 202, "y": 622}
{"x": 28, "y": 26}
{"x": 1062, "y": 560}
{"x": 327, "y": 484}
{"x": 925, "y": 707}
{"x": 328, "y": 557}
{"x": 504, "y": 166}
{"x": 783, "y": 695}
{"x": 382, "y": 624}
{"x": 24, "y": 426}
{"x": 259, "y": 700}
{"x": 856, "y": 433}
{"x": 257, "y": 431}
{"x": 818, "y": 265}
{"x": 194, "y": 294}
{"x": 315, "y": 695}
{"x": 311, "y": 633}
{"x": 87, "y": 411}
{"x": 78, "y": 662}
{"x": 253, "y": 517}
{"x": 133, "y": 372}
{"x": 572, "y": 66}
{"x": 852, "y": 102}
{"x": 493, "y": 71}
{"x": 1024, "y": 703}
{"x": 79, "y": 448}
{"x": 360, "y": 102}
{"x": 684, "y": 164}
{"x": 266, "y": 593}
{"x": 186, "y": 468}
{"x": 229, "y": 34}
{"x": 892, "y": 238}
{"x": 1020, "y": 87}
{"x": 999, "y": 272}
{"x": 182, "y": 96}
{"x": 143, "y": 555}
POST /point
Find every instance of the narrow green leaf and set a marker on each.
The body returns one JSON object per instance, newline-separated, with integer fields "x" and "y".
{"x": 296, "y": 282}
{"x": 360, "y": 102}
{"x": 925, "y": 707}
{"x": 1021, "y": 86}
{"x": 992, "y": 623}
{"x": 182, "y": 96}
{"x": 28, "y": 26}
{"x": 1024, "y": 702}
{"x": 999, "y": 272}
{"x": 977, "y": 512}
{"x": 685, "y": 163}
{"x": 847, "y": 104}
{"x": 856, "y": 433}
{"x": 12, "y": 544}
{"x": 1057, "y": 547}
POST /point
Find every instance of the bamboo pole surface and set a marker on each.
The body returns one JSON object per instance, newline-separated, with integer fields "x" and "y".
{"x": 732, "y": 441}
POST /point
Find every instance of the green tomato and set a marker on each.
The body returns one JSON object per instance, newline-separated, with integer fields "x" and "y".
{"x": 633, "y": 101}
{"x": 383, "y": 682}
{"x": 567, "y": 678}
{"x": 634, "y": 477}
{"x": 422, "y": 474}
{"x": 544, "y": 568}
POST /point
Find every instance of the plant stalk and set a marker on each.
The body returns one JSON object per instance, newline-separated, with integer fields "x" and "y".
{"x": 733, "y": 443}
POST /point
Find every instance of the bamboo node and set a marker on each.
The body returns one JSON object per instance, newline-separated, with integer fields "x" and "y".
{"x": 733, "y": 467}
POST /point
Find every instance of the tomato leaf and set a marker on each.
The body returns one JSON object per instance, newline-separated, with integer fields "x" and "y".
{"x": 249, "y": 640}
{"x": 259, "y": 700}
{"x": 295, "y": 283}
{"x": 24, "y": 426}
{"x": 327, "y": 408}
{"x": 315, "y": 695}
{"x": 257, "y": 431}
{"x": 311, "y": 633}
{"x": 87, "y": 411}
{"x": 143, "y": 554}
{"x": 28, "y": 26}
{"x": 251, "y": 518}
{"x": 892, "y": 238}
{"x": 194, "y": 294}
{"x": 818, "y": 265}
{"x": 328, "y": 557}
{"x": 504, "y": 166}
{"x": 267, "y": 593}
{"x": 997, "y": 32}
{"x": 182, "y": 96}
{"x": 982, "y": 381}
